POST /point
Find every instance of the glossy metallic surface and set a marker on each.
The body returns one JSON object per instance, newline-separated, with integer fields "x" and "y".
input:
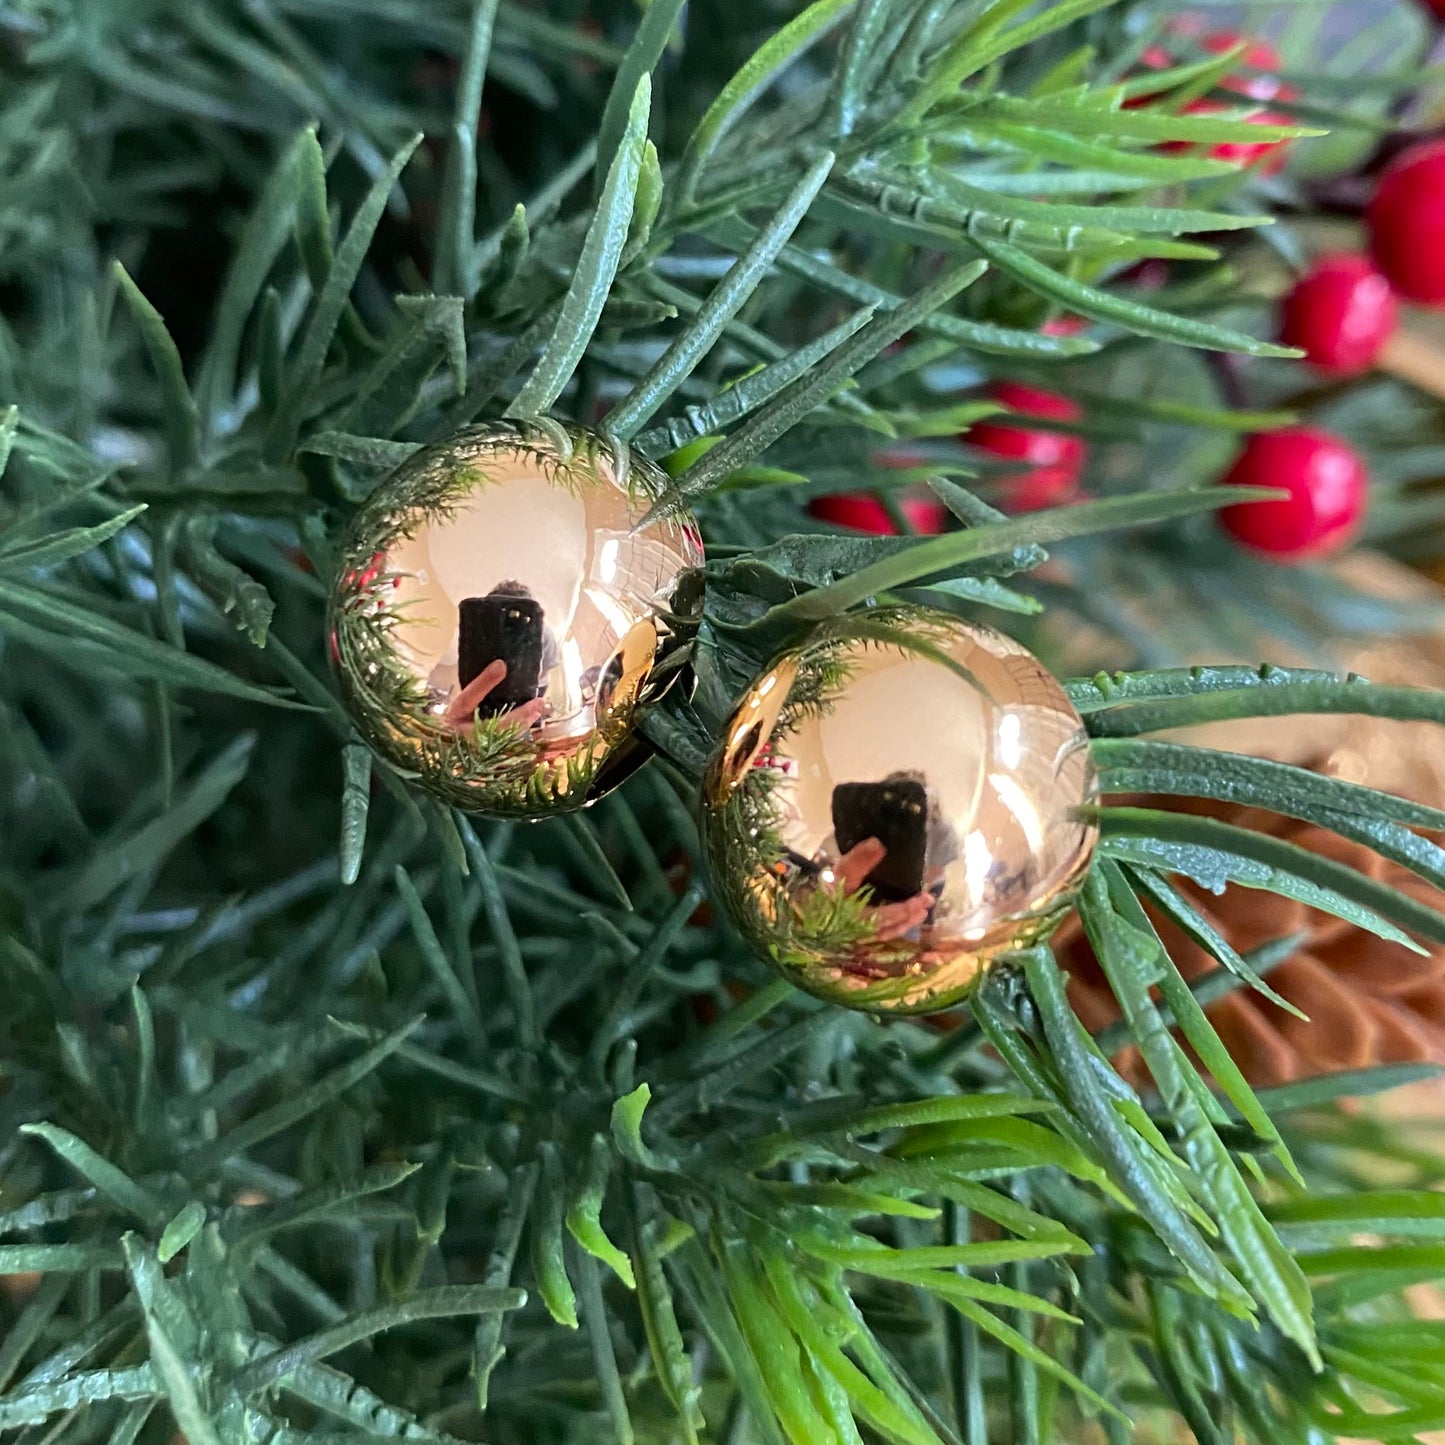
{"x": 502, "y": 611}
{"x": 896, "y": 805}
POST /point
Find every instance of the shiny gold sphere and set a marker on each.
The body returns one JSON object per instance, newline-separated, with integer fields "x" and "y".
{"x": 502, "y": 612}
{"x": 897, "y": 804}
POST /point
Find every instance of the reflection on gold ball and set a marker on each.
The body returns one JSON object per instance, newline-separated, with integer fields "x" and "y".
{"x": 895, "y": 805}
{"x": 502, "y": 611}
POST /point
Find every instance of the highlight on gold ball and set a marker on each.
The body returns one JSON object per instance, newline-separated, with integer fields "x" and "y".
{"x": 895, "y": 805}
{"x": 505, "y": 606}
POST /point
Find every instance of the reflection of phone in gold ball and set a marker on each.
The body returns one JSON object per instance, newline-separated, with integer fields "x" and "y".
{"x": 505, "y": 627}
{"x": 895, "y": 812}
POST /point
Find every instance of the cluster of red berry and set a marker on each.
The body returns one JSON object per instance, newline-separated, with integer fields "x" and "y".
{"x": 1260, "y": 82}
{"x": 1341, "y": 314}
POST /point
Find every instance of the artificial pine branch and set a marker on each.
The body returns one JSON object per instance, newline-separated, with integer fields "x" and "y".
{"x": 328, "y": 1113}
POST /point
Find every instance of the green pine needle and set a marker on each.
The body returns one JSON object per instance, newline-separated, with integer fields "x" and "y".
{"x": 326, "y": 1112}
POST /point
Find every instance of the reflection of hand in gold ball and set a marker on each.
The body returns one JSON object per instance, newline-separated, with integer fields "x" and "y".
{"x": 462, "y": 709}
{"x": 890, "y": 920}
{"x": 887, "y": 867}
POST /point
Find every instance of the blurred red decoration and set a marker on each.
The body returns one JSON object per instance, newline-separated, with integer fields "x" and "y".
{"x": 1327, "y": 485}
{"x": 1340, "y": 314}
{"x": 1406, "y": 218}
{"x": 1054, "y": 458}
{"x": 1257, "y": 55}
{"x": 863, "y": 512}
{"x": 1264, "y": 85}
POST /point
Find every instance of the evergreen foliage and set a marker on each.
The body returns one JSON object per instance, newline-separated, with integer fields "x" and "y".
{"x": 327, "y": 1112}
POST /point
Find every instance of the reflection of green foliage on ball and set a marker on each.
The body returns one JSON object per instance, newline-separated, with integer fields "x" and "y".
{"x": 492, "y": 764}
{"x": 747, "y": 860}
{"x": 976, "y": 851}
{"x": 489, "y": 764}
{"x": 746, "y": 848}
{"x": 743, "y": 846}
{"x": 824, "y": 922}
{"x": 435, "y": 479}
{"x": 908, "y": 629}
{"x": 823, "y": 673}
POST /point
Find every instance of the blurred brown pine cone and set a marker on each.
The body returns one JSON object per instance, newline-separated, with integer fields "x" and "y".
{"x": 1367, "y": 1001}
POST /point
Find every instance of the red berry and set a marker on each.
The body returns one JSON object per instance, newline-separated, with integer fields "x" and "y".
{"x": 1267, "y": 155}
{"x": 1328, "y": 491}
{"x": 1340, "y": 314}
{"x": 1407, "y": 223}
{"x": 1438, "y": 6}
{"x": 864, "y": 513}
{"x": 1054, "y": 458}
{"x": 1034, "y": 401}
{"x": 1066, "y": 325}
{"x": 1257, "y": 55}
{"x": 1151, "y": 274}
